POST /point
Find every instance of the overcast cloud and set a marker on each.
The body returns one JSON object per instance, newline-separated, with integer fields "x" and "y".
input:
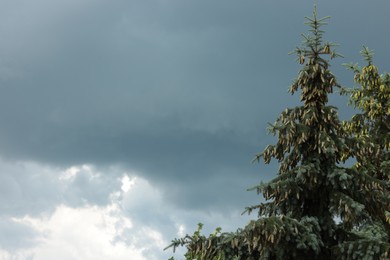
{"x": 125, "y": 123}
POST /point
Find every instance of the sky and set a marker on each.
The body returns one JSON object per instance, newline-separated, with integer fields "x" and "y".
{"x": 125, "y": 123}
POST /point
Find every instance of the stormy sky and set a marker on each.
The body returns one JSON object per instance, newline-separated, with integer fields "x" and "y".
{"x": 125, "y": 123}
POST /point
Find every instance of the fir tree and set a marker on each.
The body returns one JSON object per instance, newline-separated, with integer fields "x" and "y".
{"x": 298, "y": 219}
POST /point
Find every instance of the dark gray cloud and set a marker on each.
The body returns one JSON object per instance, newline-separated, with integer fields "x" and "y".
{"x": 178, "y": 91}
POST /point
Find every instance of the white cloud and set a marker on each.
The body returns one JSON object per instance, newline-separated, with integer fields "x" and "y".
{"x": 69, "y": 173}
{"x": 86, "y": 212}
{"x": 5, "y": 255}
{"x": 142, "y": 194}
{"x": 87, "y": 233}
{"x": 81, "y": 233}
{"x": 127, "y": 183}
{"x": 63, "y": 229}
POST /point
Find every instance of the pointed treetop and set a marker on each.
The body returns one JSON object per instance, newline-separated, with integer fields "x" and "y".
{"x": 367, "y": 54}
{"x": 312, "y": 46}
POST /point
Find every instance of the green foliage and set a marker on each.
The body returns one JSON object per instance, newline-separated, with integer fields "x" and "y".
{"x": 311, "y": 189}
{"x": 371, "y": 128}
{"x": 197, "y": 243}
{"x": 370, "y": 138}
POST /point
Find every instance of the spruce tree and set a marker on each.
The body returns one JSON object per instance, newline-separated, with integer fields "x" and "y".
{"x": 312, "y": 189}
{"x": 370, "y": 138}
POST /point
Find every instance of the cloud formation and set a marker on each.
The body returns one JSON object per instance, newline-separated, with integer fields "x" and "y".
{"x": 147, "y": 112}
{"x": 84, "y": 219}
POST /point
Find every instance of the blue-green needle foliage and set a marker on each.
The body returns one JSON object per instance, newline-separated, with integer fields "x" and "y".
{"x": 311, "y": 189}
